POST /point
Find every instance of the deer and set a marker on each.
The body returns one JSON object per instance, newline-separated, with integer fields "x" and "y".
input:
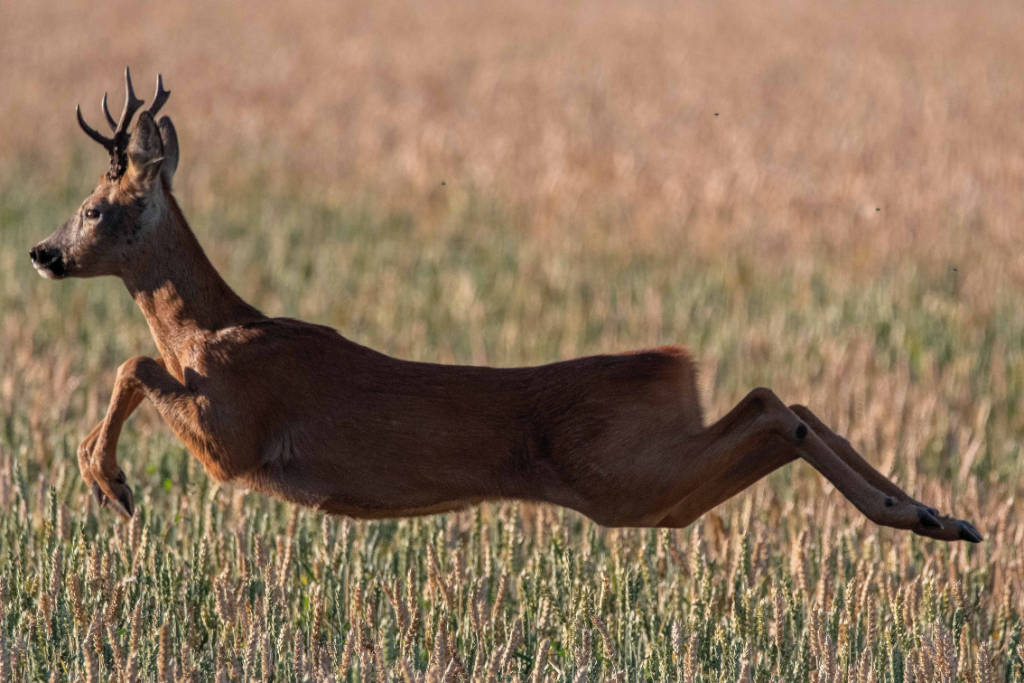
{"x": 295, "y": 410}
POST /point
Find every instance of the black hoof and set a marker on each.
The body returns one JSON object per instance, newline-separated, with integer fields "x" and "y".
{"x": 928, "y": 519}
{"x": 127, "y": 501}
{"x": 968, "y": 532}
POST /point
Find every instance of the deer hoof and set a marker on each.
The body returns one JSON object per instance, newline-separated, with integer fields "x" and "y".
{"x": 125, "y": 502}
{"x": 967, "y": 532}
{"x": 115, "y": 493}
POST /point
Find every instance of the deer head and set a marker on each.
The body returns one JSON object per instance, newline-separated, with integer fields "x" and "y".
{"x": 130, "y": 199}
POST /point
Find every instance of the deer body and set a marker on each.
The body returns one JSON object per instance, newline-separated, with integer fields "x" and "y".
{"x": 295, "y": 410}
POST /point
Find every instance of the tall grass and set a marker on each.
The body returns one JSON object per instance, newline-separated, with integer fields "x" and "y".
{"x": 786, "y": 582}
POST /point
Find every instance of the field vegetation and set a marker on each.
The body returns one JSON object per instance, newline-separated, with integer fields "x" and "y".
{"x": 827, "y": 199}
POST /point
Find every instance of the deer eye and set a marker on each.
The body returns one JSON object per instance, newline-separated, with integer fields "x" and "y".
{"x": 92, "y": 214}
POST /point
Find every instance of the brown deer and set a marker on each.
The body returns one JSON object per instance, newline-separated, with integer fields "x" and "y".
{"x": 296, "y": 410}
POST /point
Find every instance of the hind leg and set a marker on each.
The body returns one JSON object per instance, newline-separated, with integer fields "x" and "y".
{"x": 844, "y": 450}
{"x": 743, "y": 473}
{"x": 762, "y": 434}
{"x": 854, "y": 459}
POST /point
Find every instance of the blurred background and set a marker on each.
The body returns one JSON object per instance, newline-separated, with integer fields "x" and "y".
{"x": 826, "y": 198}
{"x": 719, "y": 124}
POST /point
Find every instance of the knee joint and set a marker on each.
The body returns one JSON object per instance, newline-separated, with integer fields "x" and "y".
{"x": 784, "y": 419}
{"x": 131, "y": 367}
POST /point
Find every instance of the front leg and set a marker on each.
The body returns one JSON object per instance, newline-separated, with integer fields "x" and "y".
{"x": 100, "y": 464}
{"x": 138, "y": 378}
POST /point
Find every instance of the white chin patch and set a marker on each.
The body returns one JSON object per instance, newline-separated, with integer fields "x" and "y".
{"x": 44, "y": 272}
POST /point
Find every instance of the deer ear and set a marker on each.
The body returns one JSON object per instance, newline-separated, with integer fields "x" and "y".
{"x": 145, "y": 152}
{"x": 169, "y": 138}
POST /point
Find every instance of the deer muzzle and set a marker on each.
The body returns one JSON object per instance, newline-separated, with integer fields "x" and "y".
{"x": 48, "y": 261}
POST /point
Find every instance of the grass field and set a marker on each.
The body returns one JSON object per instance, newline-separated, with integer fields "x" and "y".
{"x": 827, "y": 200}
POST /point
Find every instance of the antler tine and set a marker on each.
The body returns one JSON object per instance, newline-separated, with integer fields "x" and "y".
{"x": 117, "y": 145}
{"x": 108, "y": 143}
{"x": 131, "y": 104}
{"x": 160, "y": 96}
{"x": 106, "y": 112}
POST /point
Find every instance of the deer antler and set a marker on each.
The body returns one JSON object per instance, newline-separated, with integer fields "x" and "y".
{"x": 159, "y": 97}
{"x": 117, "y": 145}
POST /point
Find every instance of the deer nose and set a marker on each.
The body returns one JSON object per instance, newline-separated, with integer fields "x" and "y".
{"x": 43, "y": 256}
{"x": 48, "y": 259}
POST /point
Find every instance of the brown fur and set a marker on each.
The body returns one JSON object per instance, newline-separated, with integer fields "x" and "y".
{"x": 298, "y": 411}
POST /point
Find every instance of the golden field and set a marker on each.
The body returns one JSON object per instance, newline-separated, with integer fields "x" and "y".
{"x": 825, "y": 198}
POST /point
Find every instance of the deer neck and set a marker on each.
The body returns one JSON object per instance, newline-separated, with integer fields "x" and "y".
{"x": 182, "y": 296}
